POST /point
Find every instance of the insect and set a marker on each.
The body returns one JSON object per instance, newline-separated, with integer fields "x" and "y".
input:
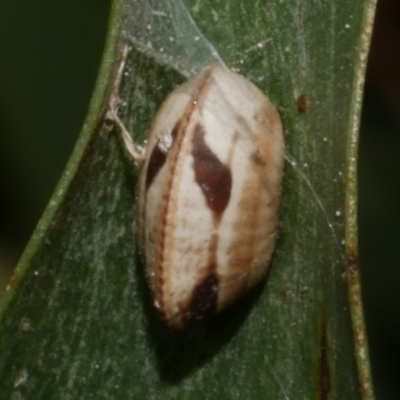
{"x": 208, "y": 193}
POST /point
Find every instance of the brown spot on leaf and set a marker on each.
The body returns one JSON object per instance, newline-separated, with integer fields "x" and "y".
{"x": 284, "y": 293}
{"x": 324, "y": 370}
{"x": 302, "y": 103}
{"x": 353, "y": 261}
{"x": 213, "y": 177}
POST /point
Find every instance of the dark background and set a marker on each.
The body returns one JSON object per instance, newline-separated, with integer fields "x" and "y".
{"x": 50, "y": 52}
{"x": 379, "y": 200}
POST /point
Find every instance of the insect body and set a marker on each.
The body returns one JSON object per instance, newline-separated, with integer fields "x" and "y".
{"x": 209, "y": 194}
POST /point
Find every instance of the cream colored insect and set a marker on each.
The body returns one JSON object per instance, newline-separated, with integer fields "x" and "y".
{"x": 209, "y": 193}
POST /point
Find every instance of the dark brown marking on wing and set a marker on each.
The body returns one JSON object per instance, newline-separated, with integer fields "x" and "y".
{"x": 157, "y": 160}
{"x": 213, "y": 177}
{"x": 175, "y": 129}
{"x": 204, "y": 298}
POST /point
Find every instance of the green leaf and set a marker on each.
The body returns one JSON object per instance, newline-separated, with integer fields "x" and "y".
{"x": 78, "y": 319}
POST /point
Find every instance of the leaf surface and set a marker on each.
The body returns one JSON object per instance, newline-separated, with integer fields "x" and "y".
{"x": 78, "y": 319}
